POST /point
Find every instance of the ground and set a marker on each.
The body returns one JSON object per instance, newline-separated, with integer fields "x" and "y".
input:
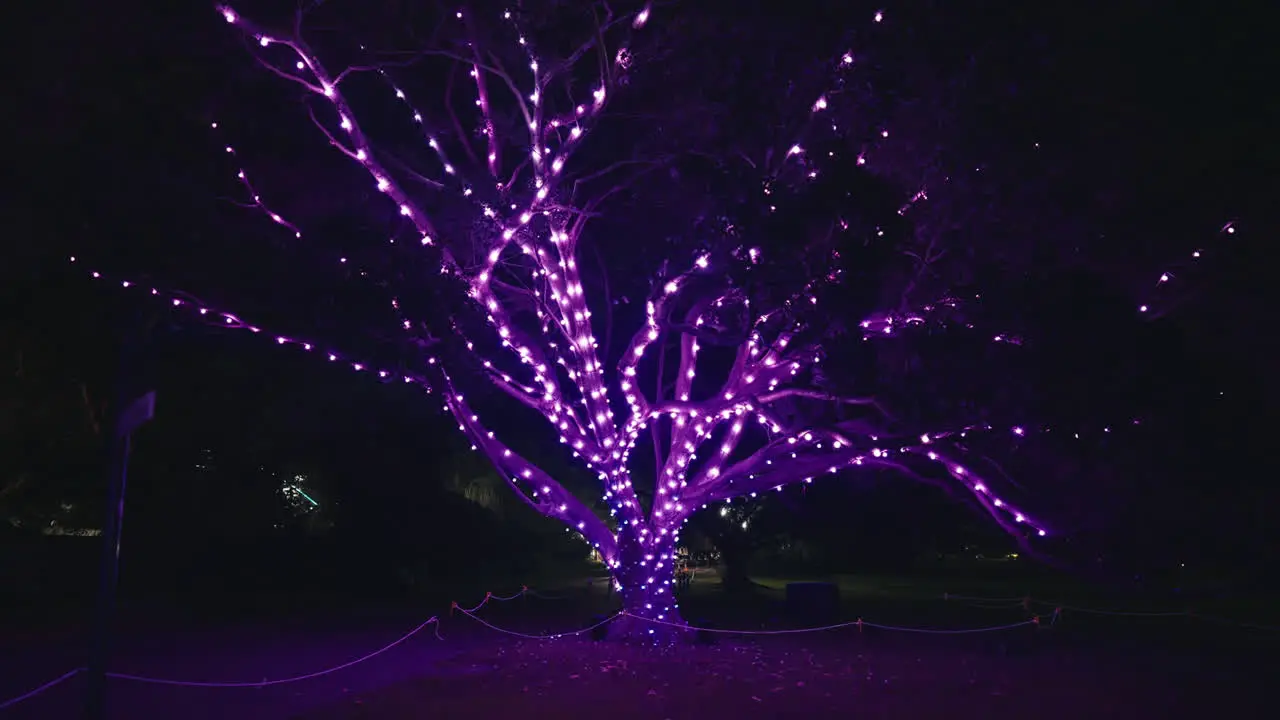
{"x": 1085, "y": 666}
{"x": 778, "y": 679}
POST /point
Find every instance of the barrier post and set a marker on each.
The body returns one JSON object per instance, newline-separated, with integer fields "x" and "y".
{"x": 130, "y": 414}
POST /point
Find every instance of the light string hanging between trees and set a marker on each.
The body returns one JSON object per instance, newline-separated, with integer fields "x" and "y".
{"x": 558, "y": 371}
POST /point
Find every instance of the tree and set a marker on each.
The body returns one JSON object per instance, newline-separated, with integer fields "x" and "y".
{"x": 771, "y": 264}
{"x": 50, "y": 429}
{"x": 739, "y": 531}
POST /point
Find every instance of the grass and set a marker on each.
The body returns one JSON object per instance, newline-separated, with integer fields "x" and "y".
{"x": 874, "y": 587}
{"x": 1049, "y": 590}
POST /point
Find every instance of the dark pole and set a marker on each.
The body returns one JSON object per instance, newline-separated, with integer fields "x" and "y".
{"x": 130, "y": 413}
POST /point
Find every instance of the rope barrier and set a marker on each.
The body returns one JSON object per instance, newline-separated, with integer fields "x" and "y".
{"x": 281, "y": 681}
{"x": 991, "y": 603}
{"x": 258, "y": 684}
{"x": 549, "y": 636}
{"x": 859, "y": 623}
{"x": 32, "y": 693}
{"x": 956, "y": 631}
{"x": 524, "y": 590}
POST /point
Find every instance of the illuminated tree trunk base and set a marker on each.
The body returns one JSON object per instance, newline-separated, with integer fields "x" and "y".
{"x": 650, "y": 613}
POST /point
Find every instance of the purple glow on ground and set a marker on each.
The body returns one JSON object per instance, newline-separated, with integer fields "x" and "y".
{"x": 1098, "y": 671}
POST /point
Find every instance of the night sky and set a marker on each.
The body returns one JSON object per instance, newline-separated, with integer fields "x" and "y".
{"x": 1153, "y": 129}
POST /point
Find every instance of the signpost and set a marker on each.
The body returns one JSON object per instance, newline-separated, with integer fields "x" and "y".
{"x": 128, "y": 419}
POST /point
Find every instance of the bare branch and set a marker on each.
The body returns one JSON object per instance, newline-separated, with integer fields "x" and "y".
{"x": 819, "y": 395}
{"x": 453, "y": 116}
{"x": 360, "y": 149}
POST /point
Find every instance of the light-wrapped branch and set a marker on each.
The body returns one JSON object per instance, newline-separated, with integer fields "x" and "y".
{"x": 801, "y": 456}
{"x": 533, "y": 485}
{"x": 657, "y": 309}
{"x": 357, "y": 146}
{"x": 785, "y": 460}
{"x": 980, "y": 488}
{"x": 686, "y": 437}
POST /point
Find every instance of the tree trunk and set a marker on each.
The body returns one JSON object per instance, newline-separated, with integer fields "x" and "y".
{"x": 646, "y": 574}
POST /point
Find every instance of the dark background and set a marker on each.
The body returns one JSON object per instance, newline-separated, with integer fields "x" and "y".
{"x": 1154, "y": 130}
